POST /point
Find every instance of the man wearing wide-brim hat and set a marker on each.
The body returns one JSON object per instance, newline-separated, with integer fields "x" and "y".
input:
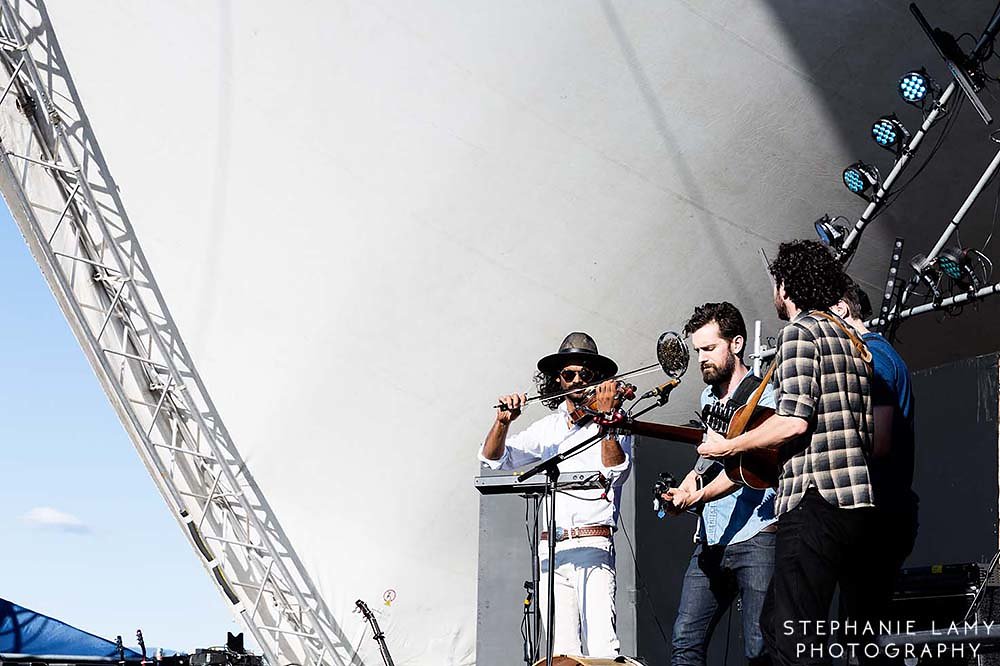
{"x": 585, "y": 521}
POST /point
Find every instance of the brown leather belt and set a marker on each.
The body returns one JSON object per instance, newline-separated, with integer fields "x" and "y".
{"x": 580, "y": 532}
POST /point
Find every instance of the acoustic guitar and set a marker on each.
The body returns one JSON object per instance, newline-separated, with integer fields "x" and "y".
{"x": 757, "y": 469}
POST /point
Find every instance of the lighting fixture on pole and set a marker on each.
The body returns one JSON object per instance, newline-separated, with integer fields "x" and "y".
{"x": 918, "y": 88}
{"x": 956, "y": 263}
{"x": 830, "y": 234}
{"x": 889, "y": 133}
{"x": 862, "y": 179}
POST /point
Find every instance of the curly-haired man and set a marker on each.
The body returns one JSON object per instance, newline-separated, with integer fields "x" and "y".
{"x": 585, "y": 519}
{"x": 823, "y": 426}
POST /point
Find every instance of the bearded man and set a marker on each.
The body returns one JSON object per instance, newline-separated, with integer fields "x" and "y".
{"x": 734, "y": 555}
{"x": 823, "y": 430}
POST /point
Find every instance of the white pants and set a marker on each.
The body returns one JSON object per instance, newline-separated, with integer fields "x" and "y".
{"x": 585, "y": 596}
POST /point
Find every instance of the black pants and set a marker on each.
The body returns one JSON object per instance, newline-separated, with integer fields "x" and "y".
{"x": 818, "y": 546}
{"x": 894, "y": 532}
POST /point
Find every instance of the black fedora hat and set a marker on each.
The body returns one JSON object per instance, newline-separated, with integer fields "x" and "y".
{"x": 578, "y": 349}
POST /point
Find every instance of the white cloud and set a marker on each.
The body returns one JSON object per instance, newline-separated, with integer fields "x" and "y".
{"x": 47, "y": 517}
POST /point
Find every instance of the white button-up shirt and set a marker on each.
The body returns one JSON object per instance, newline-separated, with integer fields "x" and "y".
{"x": 554, "y": 433}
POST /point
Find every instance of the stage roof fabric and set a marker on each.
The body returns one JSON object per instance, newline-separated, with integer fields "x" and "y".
{"x": 371, "y": 218}
{"x": 26, "y": 634}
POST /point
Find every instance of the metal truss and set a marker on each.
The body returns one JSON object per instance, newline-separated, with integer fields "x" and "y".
{"x": 62, "y": 196}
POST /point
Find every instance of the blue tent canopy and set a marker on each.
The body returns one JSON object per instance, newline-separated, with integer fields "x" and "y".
{"x": 25, "y": 634}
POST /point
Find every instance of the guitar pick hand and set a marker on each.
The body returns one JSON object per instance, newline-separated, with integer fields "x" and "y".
{"x": 678, "y": 500}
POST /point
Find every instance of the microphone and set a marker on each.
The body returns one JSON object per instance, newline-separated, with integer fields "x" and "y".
{"x": 661, "y": 390}
{"x": 673, "y": 354}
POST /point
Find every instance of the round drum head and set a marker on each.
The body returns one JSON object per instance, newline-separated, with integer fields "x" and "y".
{"x": 571, "y": 660}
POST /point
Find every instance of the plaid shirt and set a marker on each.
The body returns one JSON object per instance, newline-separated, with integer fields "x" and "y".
{"x": 822, "y": 379}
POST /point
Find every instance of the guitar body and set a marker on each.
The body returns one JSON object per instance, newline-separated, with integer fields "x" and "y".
{"x": 758, "y": 469}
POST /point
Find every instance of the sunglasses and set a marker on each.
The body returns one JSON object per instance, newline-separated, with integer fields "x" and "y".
{"x": 585, "y": 374}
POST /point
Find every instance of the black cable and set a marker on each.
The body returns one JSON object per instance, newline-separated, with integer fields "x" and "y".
{"x": 583, "y": 499}
{"x": 525, "y": 631}
{"x": 948, "y": 125}
{"x": 642, "y": 586}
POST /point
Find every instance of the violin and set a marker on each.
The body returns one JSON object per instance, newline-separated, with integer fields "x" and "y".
{"x": 673, "y": 357}
{"x": 586, "y": 409}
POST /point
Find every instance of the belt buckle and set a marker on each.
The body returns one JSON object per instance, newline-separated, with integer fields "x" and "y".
{"x": 561, "y": 534}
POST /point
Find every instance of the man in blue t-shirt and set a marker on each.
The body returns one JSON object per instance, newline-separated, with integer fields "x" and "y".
{"x": 734, "y": 555}
{"x": 891, "y": 460}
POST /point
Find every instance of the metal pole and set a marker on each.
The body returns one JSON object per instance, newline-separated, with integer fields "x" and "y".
{"x": 850, "y": 243}
{"x": 552, "y": 478}
{"x": 767, "y": 353}
{"x": 756, "y": 348}
{"x": 946, "y": 303}
{"x": 536, "y": 611}
{"x": 971, "y": 199}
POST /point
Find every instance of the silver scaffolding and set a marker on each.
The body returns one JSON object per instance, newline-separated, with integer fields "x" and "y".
{"x": 62, "y": 196}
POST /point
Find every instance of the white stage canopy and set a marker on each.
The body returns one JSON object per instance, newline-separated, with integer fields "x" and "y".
{"x": 371, "y": 218}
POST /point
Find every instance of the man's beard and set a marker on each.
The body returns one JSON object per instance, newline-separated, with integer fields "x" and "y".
{"x": 578, "y": 396}
{"x": 781, "y": 308}
{"x": 714, "y": 375}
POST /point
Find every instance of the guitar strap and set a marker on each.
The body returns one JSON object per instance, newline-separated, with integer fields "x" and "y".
{"x": 741, "y": 420}
{"x": 859, "y": 346}
{"x": 750, "y": 390}
{"x": 745, "y": 389}
{"x": 858, "y": 343}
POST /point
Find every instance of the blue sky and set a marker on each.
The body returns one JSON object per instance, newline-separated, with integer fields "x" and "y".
{"x": 87, "y": 538}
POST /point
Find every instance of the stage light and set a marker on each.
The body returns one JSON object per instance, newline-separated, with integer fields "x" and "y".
{"x": 956, "y": 263}
{"x": 890, "y": 133}
{"x": 830, "y": 234}
{"x": 951, "y": 261}
{"x": 915, "y": 87}
{"x": 862, "y": 179}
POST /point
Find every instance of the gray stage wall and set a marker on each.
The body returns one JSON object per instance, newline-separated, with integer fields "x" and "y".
{"x": 956, "y": 477}
{"x": 504, "y": 566}
{"x": 662, "y": 549}
{"x": 956, "y": 461}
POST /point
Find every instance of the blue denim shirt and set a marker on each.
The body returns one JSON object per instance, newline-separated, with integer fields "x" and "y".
{"x": 741, "y": 515}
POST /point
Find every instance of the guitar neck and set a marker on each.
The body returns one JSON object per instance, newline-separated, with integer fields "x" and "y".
{"x": 673, "y": 433}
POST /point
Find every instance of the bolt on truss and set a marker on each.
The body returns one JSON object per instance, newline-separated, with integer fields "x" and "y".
{"x": 61, "y": 194}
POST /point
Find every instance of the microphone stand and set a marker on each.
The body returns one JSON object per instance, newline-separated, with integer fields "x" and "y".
{"x": 550, "y": 467}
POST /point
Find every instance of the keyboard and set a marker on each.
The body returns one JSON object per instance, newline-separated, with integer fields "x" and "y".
{"x": 507, "y": 484}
